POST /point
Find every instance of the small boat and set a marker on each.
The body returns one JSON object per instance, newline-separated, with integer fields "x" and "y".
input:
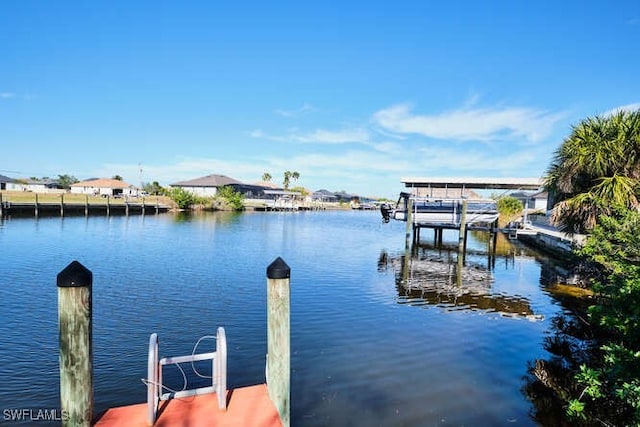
{"x": 429, "y": 211}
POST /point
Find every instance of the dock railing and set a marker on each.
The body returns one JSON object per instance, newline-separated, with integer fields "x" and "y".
{"x": 154, "y": 374}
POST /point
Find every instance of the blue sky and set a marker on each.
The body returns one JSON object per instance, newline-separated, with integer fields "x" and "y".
{"x": 352, "y": 95}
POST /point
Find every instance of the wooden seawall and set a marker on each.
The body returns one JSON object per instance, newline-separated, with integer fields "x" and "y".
{"x": 23, "y": 208}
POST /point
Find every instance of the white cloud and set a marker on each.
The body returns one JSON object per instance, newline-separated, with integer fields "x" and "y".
{"x": 465, "y": 124}
{"x": 306, "y": 108}
{"x": 628, "y": 107}
{"x": 323, "y": 136}
{"x": 7, "y": 95}
{"x": 319, "y": 136}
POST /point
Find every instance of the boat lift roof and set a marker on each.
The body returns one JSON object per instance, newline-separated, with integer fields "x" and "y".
{"x": 474, "y": 183}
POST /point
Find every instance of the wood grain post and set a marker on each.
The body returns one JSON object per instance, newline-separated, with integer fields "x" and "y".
{"x": 62, "y": 204}
{"x": 278, "y": 337}
{"x": 409, "y": 218}
{"x": 462, "y": 236}
{"x": 76, "y": 347}
{"x": 36, "y": 209}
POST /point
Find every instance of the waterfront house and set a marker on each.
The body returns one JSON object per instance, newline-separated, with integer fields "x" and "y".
{"x": 323, "y": 196}
{"x": 207, "y": 186}
{"x": 6, "y": 182}
{"x": 104, "y": 187}
{"x": 44, "y": 185}
{"x": 533, "y": 202}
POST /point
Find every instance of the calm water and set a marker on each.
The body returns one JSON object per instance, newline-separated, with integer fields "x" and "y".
{"x": 377, "y": 338}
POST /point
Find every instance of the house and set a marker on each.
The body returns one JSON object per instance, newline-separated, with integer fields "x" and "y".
{"x": 6, "y": 183}
{"x": 323, "y": 196}
{"x": 532, "y": 201}
{"x": 104, "y": 187}
{"x": 207, "y": 186}
{"x": 44, "y": 185}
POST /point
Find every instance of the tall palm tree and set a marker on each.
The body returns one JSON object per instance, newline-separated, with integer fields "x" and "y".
{"x": 266, "y": 177}
{"x": 596, "y": 169}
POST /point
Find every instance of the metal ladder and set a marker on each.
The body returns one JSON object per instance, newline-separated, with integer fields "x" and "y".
{"x": 154, "y": 374}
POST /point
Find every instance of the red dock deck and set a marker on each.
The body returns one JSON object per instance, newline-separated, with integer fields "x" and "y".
{"x": 246, "y": 407}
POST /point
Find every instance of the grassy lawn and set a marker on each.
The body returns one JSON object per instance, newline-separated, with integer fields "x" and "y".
{"x": 29, "y": 197}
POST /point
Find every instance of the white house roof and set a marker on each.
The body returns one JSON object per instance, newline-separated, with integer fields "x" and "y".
{"x": 102, "y": 183}
{"x": 5, "y": 179}
{"x": 207, "y": 181}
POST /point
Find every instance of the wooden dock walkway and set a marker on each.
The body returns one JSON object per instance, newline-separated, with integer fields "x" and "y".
{"x": 246, "y": 407}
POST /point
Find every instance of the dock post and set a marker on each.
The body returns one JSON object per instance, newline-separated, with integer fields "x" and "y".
{"x": 36, "y": 208}
{"x": 61, "y": 204}
{"x": 278, "y": 337}
{"x": 108, "y": 205}
{"x": 409, "y": 222}
{"x": 157, "y": 206}
{"x": 86, "y": 205}
{"x": 1, "y": 204}
{"x": 76, "y": 347}
{"x": 495, "y": 236}
{"x": 462, "y": 236}
{"x": 126, "y": 208}
{"x": 143, "y": 206}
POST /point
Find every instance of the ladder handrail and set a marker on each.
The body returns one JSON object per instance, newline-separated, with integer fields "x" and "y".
{"x": 154, "y": 374}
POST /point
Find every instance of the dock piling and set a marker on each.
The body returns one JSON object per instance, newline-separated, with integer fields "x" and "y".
{"x": 75, "y": 343}
{"x": 36, "y": 207}
{"x": 462, "y": 235}
{"x": 409, "y": 218}
{"x": 278, "y": 337}
{"x": 61, "y": 204}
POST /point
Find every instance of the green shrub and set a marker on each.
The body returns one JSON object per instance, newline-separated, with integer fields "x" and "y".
{"x": 183, "y": 198}
{"x": 234, "y": 199}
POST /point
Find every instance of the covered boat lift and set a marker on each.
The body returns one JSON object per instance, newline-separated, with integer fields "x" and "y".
{"x": 456, "y": 188}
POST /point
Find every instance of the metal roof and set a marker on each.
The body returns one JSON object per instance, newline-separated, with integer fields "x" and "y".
{"x": 475, "y": 183}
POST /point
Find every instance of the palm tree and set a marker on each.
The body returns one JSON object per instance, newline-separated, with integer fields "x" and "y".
{"x": 596, "y": 169}
{"x": 266, "y": 177}
{"x": 287, "y": 178}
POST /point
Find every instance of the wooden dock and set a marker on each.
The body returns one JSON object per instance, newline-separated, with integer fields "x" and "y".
{"x": 263, "y": 405}
{"x": 247, "y": 407}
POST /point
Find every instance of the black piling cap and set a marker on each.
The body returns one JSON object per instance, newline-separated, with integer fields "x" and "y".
{"x": 278, "y": 269}
{"x": 75, "y": 275}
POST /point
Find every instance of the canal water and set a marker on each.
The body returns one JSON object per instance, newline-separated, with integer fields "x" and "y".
{"x": 378, "y": 337}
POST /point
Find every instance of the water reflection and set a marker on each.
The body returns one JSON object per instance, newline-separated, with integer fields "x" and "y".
{"x": 429, "y": 276}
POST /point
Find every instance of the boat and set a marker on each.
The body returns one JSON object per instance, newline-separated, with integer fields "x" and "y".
{"x": 443, "y": 212}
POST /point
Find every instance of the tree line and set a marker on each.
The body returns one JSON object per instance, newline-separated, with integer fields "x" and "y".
{"x": 594, "y": 180}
